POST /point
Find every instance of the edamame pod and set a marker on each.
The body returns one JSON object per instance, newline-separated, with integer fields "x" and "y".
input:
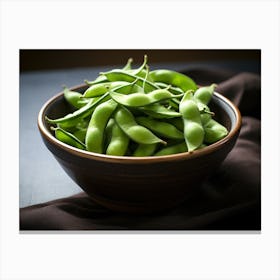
{"x": 118, "y": 143}
{"x": 214, "y": 131}
{"x": 68, "y": 138}
{"x": 141, "y": 99}
{"x": 204, "y": 94}
{"x": 100, "y": 79}
{"x": 193, "y": 130}
{"x": 69, "y": 126}
{"x": 74, "y": 125}
{"x": 202, "y": 107}
{"x": 120, "y": 87}
{"x": 174, "y": 149}
{"x": 81, "y": 134}
{"x": 74, "y": 98}
{"x": 145, "y": 150}
{"x": 173, "y": 78}
{"x": 205, "y": 118}
{"x": 100, "y": 89}
{"x": 134, "y": 131}
{"x": 178, "y": 123}
{"x": 99, "y": 119}
{"x": 158, "y": 111}
{"x": 161, "y": 128}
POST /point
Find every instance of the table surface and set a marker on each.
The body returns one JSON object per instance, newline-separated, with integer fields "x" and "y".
{"x": 40, "y": 176}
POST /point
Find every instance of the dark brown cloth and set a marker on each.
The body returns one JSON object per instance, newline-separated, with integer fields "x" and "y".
{"x": 228, "y": 200}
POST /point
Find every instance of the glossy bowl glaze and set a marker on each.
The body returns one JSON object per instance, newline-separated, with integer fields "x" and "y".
{"x": 140, "y": 184}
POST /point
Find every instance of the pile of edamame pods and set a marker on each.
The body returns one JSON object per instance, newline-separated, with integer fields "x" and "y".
{"x": 138, "y": 112}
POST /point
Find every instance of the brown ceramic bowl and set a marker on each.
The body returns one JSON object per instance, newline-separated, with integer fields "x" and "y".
{"x": 140, "y": 184}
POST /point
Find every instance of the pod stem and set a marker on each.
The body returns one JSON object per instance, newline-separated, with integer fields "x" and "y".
{"x": 128, "y": 64}
{"x": 134, "y": 82}
{"x": 190, "y": 91}
{"x": 146, "y": 76}
{"x": 208, "y": 112}
{"x": 137, "y": 71}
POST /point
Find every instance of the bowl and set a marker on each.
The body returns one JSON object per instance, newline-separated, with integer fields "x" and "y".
{"x": 140, "y": 184}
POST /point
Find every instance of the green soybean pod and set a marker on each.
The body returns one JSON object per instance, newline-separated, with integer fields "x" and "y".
{"x": 131, "y": 87}
{"x": 134, "y": 131}
{"x": 74, "y": 98}
{"x": 74, "y": 125}
{"x": 145, "y": 150}
{"x": 174, "y": 103}
{"x": 141, "y": 99}
{"x": 99, "y": 80}
{"x": 132, "y": 100}
{"x": 161, "y": 128}
{"x": 100, "y": 89}
{"x": 99, "y": 119}
{"x": 118, "y": 143}
{"x": 81, "y": 134}
{"x": 108, "y": 132}
{"x": 173, "y": 78}
{"x": 68, "y": 138}
{"x": 69, "y": 126}
{"x": 119, "y": 86}
{"x": 158, "y": 111}
{"x": 214, "y": 131}
{"x": 204, "y": 94}
{"x": 177, "y": 122}
{"x": 200, "y": 102}
{"x": 193, "y": 129}
{"x": 205, "y": 118}
{"x": 174, "y": 149}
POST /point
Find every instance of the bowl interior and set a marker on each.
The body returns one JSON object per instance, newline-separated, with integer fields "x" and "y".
{"x": 224, "y": 112}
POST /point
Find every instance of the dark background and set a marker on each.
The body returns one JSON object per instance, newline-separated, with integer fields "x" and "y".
{"x": 58, "y": 59}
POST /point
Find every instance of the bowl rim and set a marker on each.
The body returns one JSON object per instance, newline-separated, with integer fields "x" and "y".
{"x": 129, "y": 159}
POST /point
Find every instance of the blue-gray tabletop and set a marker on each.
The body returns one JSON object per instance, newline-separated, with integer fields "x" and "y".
{"x": 41, "y": 178}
